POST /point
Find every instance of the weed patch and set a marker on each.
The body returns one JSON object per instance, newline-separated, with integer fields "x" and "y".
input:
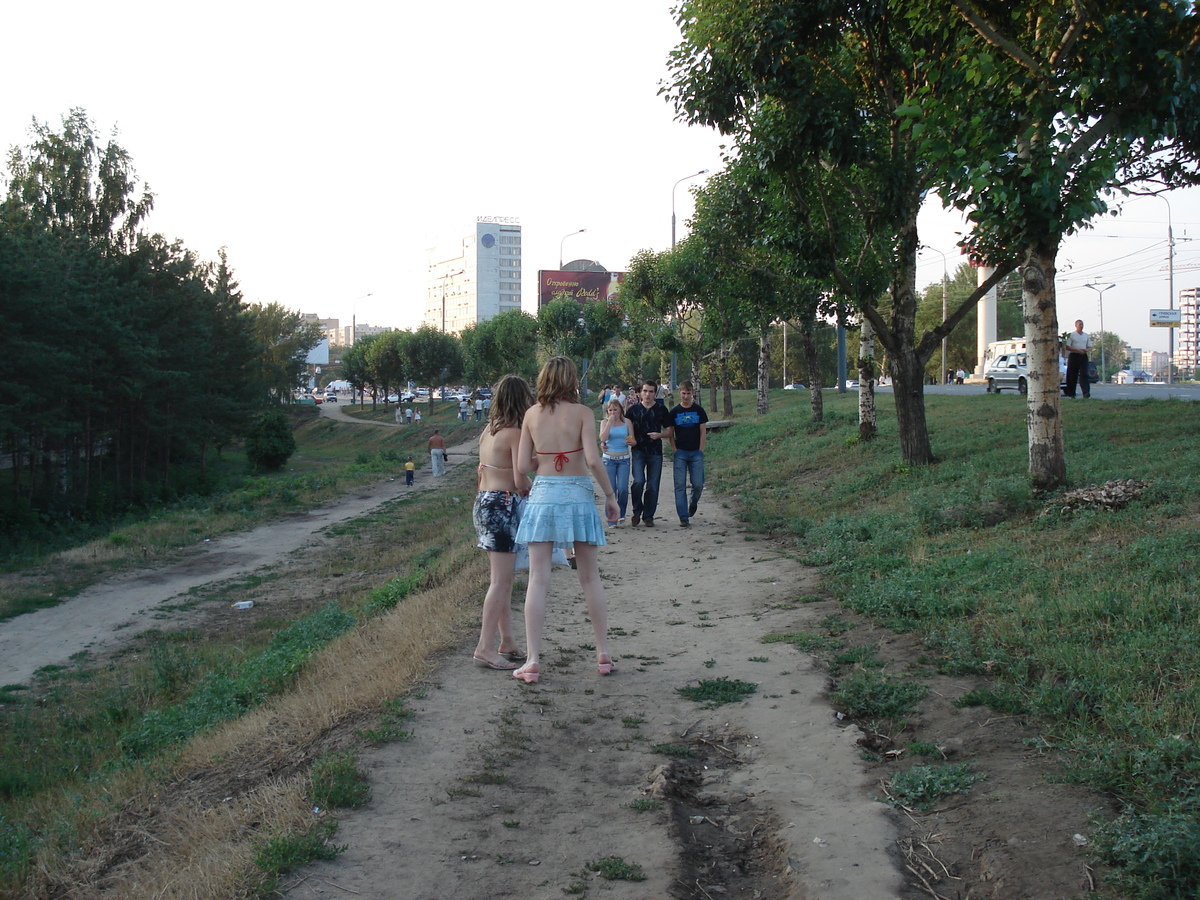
{"x": 920, "y": 787}
{"x": 717, "y": 691}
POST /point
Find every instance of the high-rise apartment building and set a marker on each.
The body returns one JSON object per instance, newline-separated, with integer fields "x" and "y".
{"x": 478, "y": 283}
{"x": 1187, "y": 336}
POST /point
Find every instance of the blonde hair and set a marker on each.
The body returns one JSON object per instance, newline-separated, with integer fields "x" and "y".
{"x": 558, "y": 381}
{"x": 619, "y": 406}
{"x": 512, "y": 396}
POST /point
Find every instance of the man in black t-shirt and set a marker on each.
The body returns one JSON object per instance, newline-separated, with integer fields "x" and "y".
{"x": 651, "y": 423}
{"x": 689, "y": 431}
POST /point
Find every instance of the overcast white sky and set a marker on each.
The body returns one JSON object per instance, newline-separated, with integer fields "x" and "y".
{"x": 329, "y": 147}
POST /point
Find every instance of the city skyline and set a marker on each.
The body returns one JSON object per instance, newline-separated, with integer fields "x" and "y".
{"x": 328, "y": 162}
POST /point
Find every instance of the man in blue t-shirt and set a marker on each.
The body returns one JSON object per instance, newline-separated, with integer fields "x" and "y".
{"x": 689, "y": 432}
{"x": 651, "y": 423}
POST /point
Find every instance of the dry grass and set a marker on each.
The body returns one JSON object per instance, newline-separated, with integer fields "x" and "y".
{"x": 194, "y": 836}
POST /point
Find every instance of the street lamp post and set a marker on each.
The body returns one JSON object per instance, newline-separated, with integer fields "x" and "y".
{"x": 1170, "y": 291}
{"x": 560, "y": 246}
{"x": 677, "y": 184}
{"x": 1103, "y": 367}
{"x": 673, "y": 187}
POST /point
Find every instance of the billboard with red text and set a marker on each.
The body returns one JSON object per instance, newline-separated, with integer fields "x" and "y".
{"x": 583, "y": 287}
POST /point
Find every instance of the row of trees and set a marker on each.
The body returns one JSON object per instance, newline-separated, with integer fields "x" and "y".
{"x": 127, "y": 359}
{"x": 844, "y": 116}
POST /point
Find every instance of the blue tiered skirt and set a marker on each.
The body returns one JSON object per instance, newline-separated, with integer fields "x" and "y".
{"x": 562, "y": 509}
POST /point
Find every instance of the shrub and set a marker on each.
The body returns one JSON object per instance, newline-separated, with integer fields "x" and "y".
{"x": 270, "y": 443}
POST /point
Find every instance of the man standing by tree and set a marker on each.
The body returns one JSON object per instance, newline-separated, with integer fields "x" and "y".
{"x": 1077, "y": 346}
{"x": 651, "y": 423}
{"x": 689, "y": 432}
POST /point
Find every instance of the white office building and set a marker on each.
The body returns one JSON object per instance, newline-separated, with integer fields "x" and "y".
{"x": 1187, "y": 336}
{"x": 477, "y": 282}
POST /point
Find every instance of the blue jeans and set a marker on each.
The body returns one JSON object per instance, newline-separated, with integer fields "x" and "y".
{"x": 618, "y": 477}
{"x": 647, "y": 473}
{"x": 688, "y": 464}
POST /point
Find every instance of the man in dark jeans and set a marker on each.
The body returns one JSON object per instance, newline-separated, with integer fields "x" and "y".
{"x": 689, "y": 431}
{"x": 651, "y": 423}
{"x": 1077, "y": 345}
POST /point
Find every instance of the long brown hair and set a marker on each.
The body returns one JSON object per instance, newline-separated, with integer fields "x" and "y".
{"x": 511, "y": 397}
{"x": 558, "y": 381}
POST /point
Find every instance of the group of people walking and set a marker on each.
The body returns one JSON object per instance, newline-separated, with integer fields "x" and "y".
{"x": 550, "y": 433}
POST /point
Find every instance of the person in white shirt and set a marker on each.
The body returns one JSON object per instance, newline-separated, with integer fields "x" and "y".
{"x": 1077, "y": 346}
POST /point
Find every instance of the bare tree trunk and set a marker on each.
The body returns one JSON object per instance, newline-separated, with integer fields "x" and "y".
{"x": 764, "y": 371}
{"x": 867, "y": 420}
{"x": 726, "y": 386}
{"x": 1047, "y": 459}
{"x": 812, "y": 363}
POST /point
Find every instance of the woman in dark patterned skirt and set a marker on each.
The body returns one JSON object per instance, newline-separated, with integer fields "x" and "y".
{"x": 497, "y": 513}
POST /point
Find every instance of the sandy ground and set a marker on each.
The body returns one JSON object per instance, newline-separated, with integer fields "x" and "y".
{"x": 507, "y": 790}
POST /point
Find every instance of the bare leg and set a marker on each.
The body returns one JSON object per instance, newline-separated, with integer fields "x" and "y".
{"x": 535, "y": 601}
{"x": 497, "y": 609}
{"x": 597, "y": 601}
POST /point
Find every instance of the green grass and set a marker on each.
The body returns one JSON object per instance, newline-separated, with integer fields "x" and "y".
{"x": 717, "y": 691}
{"x": 1086, "y": 619}
{"x": 919, "y": 787}
{"x": 76, "y": 726}
{"x": 336, "y": 782}
{"x": 614, "y": 868}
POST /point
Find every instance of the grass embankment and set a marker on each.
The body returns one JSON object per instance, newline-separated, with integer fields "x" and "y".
{"x": 89, "y": 753}
{"x": 326, "y": 465}
{"x": 1087, "y": 617}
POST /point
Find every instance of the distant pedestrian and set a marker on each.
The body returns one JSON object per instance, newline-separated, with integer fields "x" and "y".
{"x": 1077, "y": 346}
{"x": 399, "y": 415}
{"x": 437, "y": 453}
{"x": 409, "y": 471}
{"x": 417, "y": 416}
{"x": 408, "y": 415}
{"x": 689, "y": 433}
{"x": 463, "y": 406}
{"x": 478, "y": 408}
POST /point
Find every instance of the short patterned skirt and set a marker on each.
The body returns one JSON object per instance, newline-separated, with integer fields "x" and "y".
{"x": 562, "y": 509}
{"x": 496, "y": 515}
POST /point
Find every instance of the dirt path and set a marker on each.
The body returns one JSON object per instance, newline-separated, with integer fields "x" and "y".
{"x": 506, "y": 790}
{"x": 105, "y": 616}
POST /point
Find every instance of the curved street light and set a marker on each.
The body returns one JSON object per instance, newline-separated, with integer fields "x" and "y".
{"x": 560, "y": 246}
{"x": 677, "y": 184}
{"x": 1100, "y": 290}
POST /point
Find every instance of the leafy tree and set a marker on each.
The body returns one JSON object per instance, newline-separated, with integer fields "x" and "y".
{"x": 1068, "y": 103}
{"x": 284, "y": 341}
{"x": 67, "y": 181}
{"x": 505, "y": 344}
{"x": 962, "y": 343}
{"x": 811, "y": 93}
{"x": 434, "y": 357}
{"x": 388, "y": 361}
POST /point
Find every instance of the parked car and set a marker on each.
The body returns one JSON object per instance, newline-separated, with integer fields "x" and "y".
{"x": 793, "y": 387}
{"x": 407, "y": 396}
{"x": 331, "y": 397}
{"x": 1011, "y": 370}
